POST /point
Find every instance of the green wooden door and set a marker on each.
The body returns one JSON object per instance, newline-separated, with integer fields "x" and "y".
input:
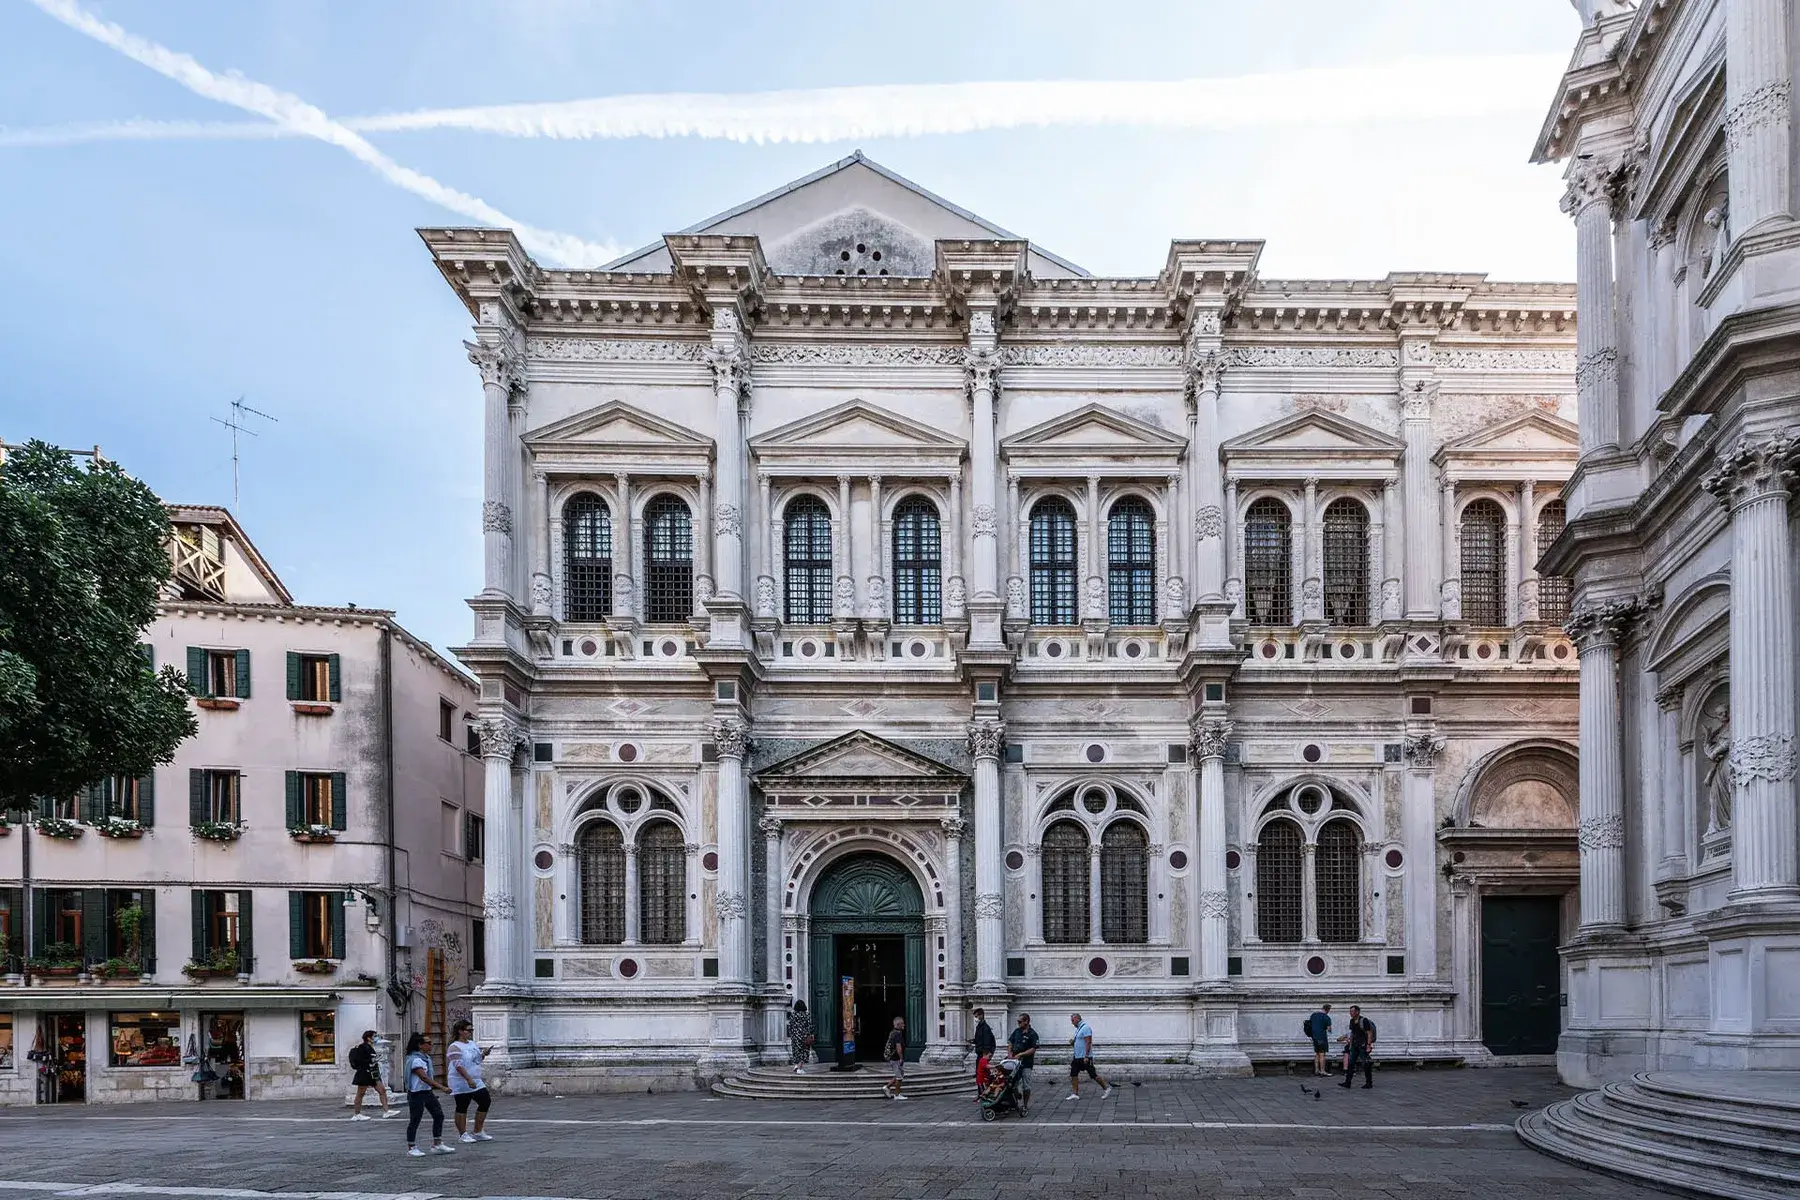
{"x": 1521, "y": 1002}
{"x": 867, "y": 895}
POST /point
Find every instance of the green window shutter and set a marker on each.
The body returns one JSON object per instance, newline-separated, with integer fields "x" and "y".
{"x": 337, "y": 681}
{"x": 44, "y": 805}
{"x": 149, "y": 654}
{"x": 293, "y": 799}
{"x": 243, "y": 674}
{"x": 197, "y": 807}
{"x": 293, "y": 672}
{"x": 200, "y": 950}
{"x": 296, "y": 925}
{"x": 468, "y": 846}
{"x": 337, "y": 926}
{"x": 196, "y": 671}
{"x": 93, "y": 925}
{"x": 147, "y": 798}
{"x": 40, "y": 921}
{"x": 340, "y": 801}
{"x": 93, "y": 802}
{"x": 246, "y": 946}
{"x": 147, "y": 931}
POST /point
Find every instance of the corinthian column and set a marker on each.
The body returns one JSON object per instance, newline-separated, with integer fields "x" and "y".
{"x": 774, "y": 888}
{"x": 500, "y": 869}
{"x": 1212, "y": 904}
{"x": 730, "y": 361}
{"x": 954, "y": 828}
{"x": 984, "y": 602}
{"x": 1596, "y": 629}
{"x": 1418, "y": 829}
{"x": 732, "y": 738}
{"x": 1754, "y": 478}
{"x": 1204, "y": 476}
{"x": 501, "y": 375}
{"x": 540, "y": 544}
{"x": 1589, "y": 201}
{"x": 986, "y": 740}
{"x": 1415, "y": 431}
{"x": 1758, "y": 142}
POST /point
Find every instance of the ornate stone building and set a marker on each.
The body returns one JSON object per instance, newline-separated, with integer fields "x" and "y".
{"x": 877, "y": 601}
{"x": 1675, "y": 118}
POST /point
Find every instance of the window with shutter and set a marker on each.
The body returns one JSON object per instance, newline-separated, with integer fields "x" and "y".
{"x": 311, "y": 678}
{"x": 246, "y": 931}
{"x": 296, "y": 925}
{"x": 317, "y": 920}
{"x": 198, "y": 676}
{"x": 201, "y": 943}
{"x": 1065, "y": 876}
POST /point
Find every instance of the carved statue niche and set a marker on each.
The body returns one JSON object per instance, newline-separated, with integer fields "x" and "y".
{"x": 1713, "y": 737}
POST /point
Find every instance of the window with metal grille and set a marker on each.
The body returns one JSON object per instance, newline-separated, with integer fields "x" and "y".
{"x": 1065, "y": 871}
{"x": 1131, "y": 564}
{"x": 1268, "y": 563}
{"x": 918, "y": 563}
{"x": 1124, "y": 883}
{"x": 1346, "y": 550}
{"x": 668, "y": 560}
{"x": 1278, "y": 882}
{"x": 807, "y": 561}
{"x": 601, "y": 854}
{"x": 1553, "y": 590}
{"x": 1483, "y": 564}
{"x": 587, "y": 558}
{"x": 662, "y": 884}
{"x": 1052, "y": 552}
{"x": 1337, "y": 875}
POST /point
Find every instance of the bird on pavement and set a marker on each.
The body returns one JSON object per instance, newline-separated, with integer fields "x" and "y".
{"x": 1521, "y": 1104}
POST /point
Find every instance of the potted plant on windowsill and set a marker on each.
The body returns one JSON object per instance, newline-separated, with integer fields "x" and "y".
{"x": 312, "y": 833}
{"x": 58, "y": 960}
{"x": 217, "y": 831}
{"x": 116, "y": 968}
{"x": 56, "y": 827}
{"x": 315, "y": 966}
{"x": 118, "y": 827}
{"x": 221, "y": 964}
{"x": 5, "y": 826}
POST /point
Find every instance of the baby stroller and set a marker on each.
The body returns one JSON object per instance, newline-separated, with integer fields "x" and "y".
{"x": 1000, "y": 1091}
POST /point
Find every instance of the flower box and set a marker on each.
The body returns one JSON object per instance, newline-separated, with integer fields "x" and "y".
{"x": 309, "y": 709}
{"x": 215, "y": 704}
{"x": 56, "y": 827}
{"x": 313, "y": 833}
{"x": 118, "y": 827}
{"x": 66, "y": 971}
{"x": 5, "y": 829}
{"x": 196, "y": 971}
{"x": 316, "y": 966}
{"x": 217, "y": 831}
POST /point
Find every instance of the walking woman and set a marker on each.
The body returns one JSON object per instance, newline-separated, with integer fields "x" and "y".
{"x": 420, "y": 1100}
{"x": 368, "y": 1075}
{"x": 800, "y": 1036}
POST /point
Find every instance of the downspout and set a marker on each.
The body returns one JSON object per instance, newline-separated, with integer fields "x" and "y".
{"x": 387, "y": 746}
{"x": 26, "y": 914}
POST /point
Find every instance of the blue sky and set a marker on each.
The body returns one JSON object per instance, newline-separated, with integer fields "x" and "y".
{"x": 150, "y": 282}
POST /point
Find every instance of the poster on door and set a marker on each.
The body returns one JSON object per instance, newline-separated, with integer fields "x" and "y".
{"x": 847, "y": 1007}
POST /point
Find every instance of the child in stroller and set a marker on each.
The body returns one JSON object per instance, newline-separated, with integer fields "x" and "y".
{"x": 1000, "y": 1091}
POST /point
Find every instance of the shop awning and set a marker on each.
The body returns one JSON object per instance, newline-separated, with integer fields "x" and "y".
{"x": 135, "y": 999}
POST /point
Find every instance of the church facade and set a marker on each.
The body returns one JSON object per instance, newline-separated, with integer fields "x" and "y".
{"x": 883, "y": 612}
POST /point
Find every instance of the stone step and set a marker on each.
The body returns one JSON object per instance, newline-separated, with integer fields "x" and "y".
{"x": 1695, "y": 1137}
{"x": 822, "y": 1083}
{"x": 1693, "y": 1115}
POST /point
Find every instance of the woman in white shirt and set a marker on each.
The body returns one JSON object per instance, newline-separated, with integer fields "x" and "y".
{"x": 466, "y": 1083}
{"x": 420, "y": 1100}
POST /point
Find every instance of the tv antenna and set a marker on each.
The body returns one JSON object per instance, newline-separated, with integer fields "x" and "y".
{"x": 240, "y": 410}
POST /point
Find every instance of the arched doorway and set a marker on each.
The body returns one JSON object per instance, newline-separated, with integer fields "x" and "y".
{"x": 867, "y": 924}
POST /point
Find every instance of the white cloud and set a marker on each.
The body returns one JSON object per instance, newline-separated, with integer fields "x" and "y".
{"x": 291, "y": 113}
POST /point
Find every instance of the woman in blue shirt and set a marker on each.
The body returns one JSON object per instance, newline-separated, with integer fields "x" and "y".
{"x": 420, "y": 1087}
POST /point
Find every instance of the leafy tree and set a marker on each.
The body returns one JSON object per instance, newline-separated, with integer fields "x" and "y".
{"x": 83, "y": 558}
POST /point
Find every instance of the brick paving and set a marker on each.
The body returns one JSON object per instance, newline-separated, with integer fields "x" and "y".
{"x": 1421, "y": 1135}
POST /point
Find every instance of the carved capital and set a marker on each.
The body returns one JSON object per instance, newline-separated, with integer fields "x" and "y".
{"x": 730, "y": 366}
{"x": 770, "y": 826}
{"x": 1423, "y": 750}
{"x": 1594, "y": 624}
{"x": 1754, "y": 469}
{"x": 500, "y": 738}
{"x": 732, "y": 738}
{"x": 1416, "y": 401}
{"x": 987, "y": 739}
{"x": 1669, "y": 698}
{"x": 1591, "y": 182}
{"x": 954, "y": 827}
{"x": 982, "y": 367}
{"x": 1205, "y": 368}
{"x": 1211, "y": 737}
{"x": 500, "y": 367}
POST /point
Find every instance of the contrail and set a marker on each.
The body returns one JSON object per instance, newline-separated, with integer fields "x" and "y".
{"x": 1435, "y": 87}
{"x": 297, "y": 116}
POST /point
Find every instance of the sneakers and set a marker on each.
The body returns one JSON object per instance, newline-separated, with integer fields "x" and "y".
{"x": 361, "y": 1117}
{"x": 443, "y": 1149}
{"x": 414, "y": 1152}
{"x": 484, "y": 1137}
{"x": 389, "y": 1112}
{"x": 1106, "y": 1091}
{"x": 467, "y": 1137}
{"x": 899, "y": 1097}
{"x": 1073, "y": 1096}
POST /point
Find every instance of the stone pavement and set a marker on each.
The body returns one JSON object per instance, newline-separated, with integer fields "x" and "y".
{"x": 1420, "y": 1135}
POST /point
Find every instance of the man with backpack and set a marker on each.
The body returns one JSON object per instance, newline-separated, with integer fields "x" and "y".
{"x": 1318, "y": 1028}
{"x": 984, "y": 1043}
{"x": 1360, "y": 1042}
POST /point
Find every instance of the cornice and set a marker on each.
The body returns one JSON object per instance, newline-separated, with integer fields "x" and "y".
{"x": 1745, "y": 344}
{"x": 1592, "y": 87}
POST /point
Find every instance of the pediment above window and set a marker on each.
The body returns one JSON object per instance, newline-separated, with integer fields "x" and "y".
{"x": 1094, "y": 435}
{"x": 854, "y": 437}
{"x": 1313, "y": 444}
{"x": 618, "y": 437}
{"x": 1536, "y": 445}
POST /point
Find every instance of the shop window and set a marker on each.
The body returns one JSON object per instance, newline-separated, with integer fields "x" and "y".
{"x": 1065, "y": 876}
{"x": 587, "y": 558}
{"x": 318, "y": 1038}
{"x": 145, "y": 1039}
{"x": 1051, "y": 551}
{"x": 314, "y": 678}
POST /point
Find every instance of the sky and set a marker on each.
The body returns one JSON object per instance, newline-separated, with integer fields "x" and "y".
{"x": 214, "y": 201}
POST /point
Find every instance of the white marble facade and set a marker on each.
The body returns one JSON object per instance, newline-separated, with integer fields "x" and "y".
{"x": 1675, "y": 121}
{"x": 1225, "y": 681}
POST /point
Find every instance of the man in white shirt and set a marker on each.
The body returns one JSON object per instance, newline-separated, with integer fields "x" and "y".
{"x": 466, "y": 1084}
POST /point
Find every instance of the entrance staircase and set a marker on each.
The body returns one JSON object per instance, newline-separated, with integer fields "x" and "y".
{"x": 1711, "y": 1133}
{"x": 820, "y": 1082}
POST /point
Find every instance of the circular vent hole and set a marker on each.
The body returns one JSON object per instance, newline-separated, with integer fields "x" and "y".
{"x": 628, "y": 753}
{"x": 1014, "y": 860}
{"x": 1177, "y": 859}
{"x": 1232, "y": 859}
{"x": 709, "y": 861}
{"x": 1312, "y": 753}
{"x": 589, "y": 646}
{"x": 1096, "y": 753}
{"x": 1315, "y": 965}
{"x": 628, "y": 968}
{"x": 1393, "y": 859}
{"x": 1094, "y": 800}
{"x": 1096, "y": 967}
{"x": 1052, "y": 649}
{"x": 543, "y": 860}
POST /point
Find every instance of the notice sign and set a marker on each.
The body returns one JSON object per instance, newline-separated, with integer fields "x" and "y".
{"x": 847, "y": 1007}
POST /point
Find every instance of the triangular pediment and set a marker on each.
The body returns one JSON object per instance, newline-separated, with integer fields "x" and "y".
{"x": 1534, "y": 432}
{"x": 854, "y": 755}
{"x": 1093, "y": 427}
{"x": 855, "y": 425}
{"x": 1314, "y": 432}
{"x": 615, "y": 426}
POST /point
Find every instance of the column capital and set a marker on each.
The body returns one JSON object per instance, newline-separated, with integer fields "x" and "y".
{"x": 954, "y": 827}
{"x": 1754, "y": 468}
{"x": 1210, "y": 737}
{"x": 732, "y": 737}
{"x": 1205, "y": 369}
{"x": 1416, "y": 401}
{"x": 987, "y": 739}
{"x": 1592, "y": 181}
{"x": 1593, "y": 624}
{"x": 499, "y": 364}
{"x": 982, "y": 367}
{"x": 770, "y": 826}
{"x": 1423, "y": 750}
{"x": 1669, "y": 698}
{"x": 500, "y": 738}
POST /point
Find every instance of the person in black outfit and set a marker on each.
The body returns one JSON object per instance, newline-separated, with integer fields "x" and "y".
{"x": 1361, "y": 1043}
{"x": 984, "y": 1044}
{"x": 1022, "y": 1044}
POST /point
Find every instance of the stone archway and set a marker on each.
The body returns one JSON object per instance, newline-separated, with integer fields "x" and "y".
{"x": 866, "y": 923}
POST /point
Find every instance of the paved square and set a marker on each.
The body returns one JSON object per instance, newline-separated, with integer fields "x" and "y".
{"x": 1419, "y": 1134}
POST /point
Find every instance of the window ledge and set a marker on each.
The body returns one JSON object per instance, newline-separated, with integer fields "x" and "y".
{"x": 215, "y": 704}
{"x": 313, "y": 708}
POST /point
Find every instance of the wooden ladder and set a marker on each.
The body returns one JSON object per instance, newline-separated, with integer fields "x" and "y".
{"x": 434, "y": 1013}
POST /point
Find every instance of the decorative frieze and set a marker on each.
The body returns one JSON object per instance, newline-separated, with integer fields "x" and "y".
{"x": 1764, "y": 756}
{"x": 856, "y": 354}
{"x": 615, "y": 350}
{"x": 1763, "y": 106}
{"x": 1309, "y": 356}
{"x": 1602, "y": 833}
{"x": 1496, "y": 359}
{"x": 496, "y": 517}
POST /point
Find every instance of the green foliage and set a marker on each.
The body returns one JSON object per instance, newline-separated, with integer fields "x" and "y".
{"x": 130, "y": 921}
{"x": 83, "y": 558}
{"x": 56, "y": 954}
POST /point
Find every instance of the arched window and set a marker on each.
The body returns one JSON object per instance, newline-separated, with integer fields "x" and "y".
{"x": 1268, "y": 563}
{"x": 1065, "y": 870}
{"x": 1484, "y": 564}
{"x": 1337, "y": 878}
{"x": 918, "y": 563}
{"x": 1346, "y": 551}
{"x": 807, "y": 559}
{"x": 1553, "y": 590}
{"x": 587, "y": 558}
{"x": 1124, "y": 883}
{"x": 1131, "y": 563}
{"x": 1278, "y": 882}
{"x": 662, "y": 884}
{"x": 601, "y": 852}
{"x": 668, "y": 560}
{"x": 1053, "y": 563}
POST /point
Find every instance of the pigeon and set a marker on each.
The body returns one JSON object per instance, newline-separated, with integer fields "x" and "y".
{"x": 1313, "y": 1092}
{"x": 1137, "y": 1083}
{"x": 1521, "y": 1104}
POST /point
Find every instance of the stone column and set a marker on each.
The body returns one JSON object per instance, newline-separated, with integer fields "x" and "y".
{"x": 1312, "y": 588}
{"x": 624, "y": 550}
{"x": 775, "y": 890}
{"x": 1528, "y": 534}
{"x": 1415, "y": 431}
{"x": 632, "y": 907}
{"x": 1377, "y": 559}
{"x": 1094, "y": 914}
{"x": 840, "y": 545}
{"x": 1754, "y": 479}
{"x": 500, "y": 869}
{"x": 987, "y": 738}
{"x": 1309, "y": 892}
{"x": 983, "y": 363}
{"x": 1509, "y": 602}
{"x": 1174, "y": 589}
{"x": 1418, "y": 827}
{"x": 954, "y": 828}
{"x": 1450, "y": 565}
{"x": 730, "y": 361}
{"x": 540, "y": 544}
{"x": 1095, "y": 609}
{"x": 1203, "y": 473}
{"x": 772, "y": 550}
{"x": 875, "y": 602}
{"x": 501, "y": 374}
{"x": 1672, "y": 792}
{"x": 1758, "y": 142}
{"x": 1589, "y": 201}
{"x": 1596, "y": 628}
{"x": 1212, "y": 902}
{"x": 1394, "y": 543}
{"x": 732, "y": 737}
{"x": 703, "y": 547}
{"x": 690, "y": 880}
{"x": 1234, "y": 550}
{"x": 1017, "y": 609}
{"x": 956, "y": 589}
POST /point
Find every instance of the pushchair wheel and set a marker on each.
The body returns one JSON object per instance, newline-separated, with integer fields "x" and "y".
{"x": 988, "y": 1114}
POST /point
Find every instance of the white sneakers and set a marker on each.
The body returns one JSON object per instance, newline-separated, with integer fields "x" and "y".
{"x": 389, "y": 1112}
{"x": 361, "y": 1117}
{"x": 484, "y": 1137}
{"x": 1072, "y": 1096}
{"x": 443, "y": 1149}
{"x": 1106, "y": 1091}
{"x": 414, "y": 1152}
{"x": 467, "y": 1137}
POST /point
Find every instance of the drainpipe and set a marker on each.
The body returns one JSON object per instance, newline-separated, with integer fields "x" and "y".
{"x": 387, "y": 746}
{"x": 25, "y": 897}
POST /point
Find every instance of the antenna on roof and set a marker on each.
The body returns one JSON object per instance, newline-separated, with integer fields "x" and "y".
{"x": 239, "y": 410}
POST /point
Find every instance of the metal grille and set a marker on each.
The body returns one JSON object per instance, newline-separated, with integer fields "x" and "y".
{"x": 1553, "y": 590}
{"x": 602, "y": 855}
{"x": 1065, "y": 871}
{"x": 1337, "y": 876}
{"x": 1052, "y": 553}
{"x": 662, "y": 884}
{"x": 1483, "y": 573}
{"x": 918, "y": 563}
{"x": 1124, "y": 884}
{"x": 587, "y": 559}
{"x": 1346, "y": 549}
{"x": 1278, "y": 882}
{"x": 807, "y": 557}
{"x": 1268, "y": 563}
{"x": 668, "y": 561}
{"x": 1131, "y": 564}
